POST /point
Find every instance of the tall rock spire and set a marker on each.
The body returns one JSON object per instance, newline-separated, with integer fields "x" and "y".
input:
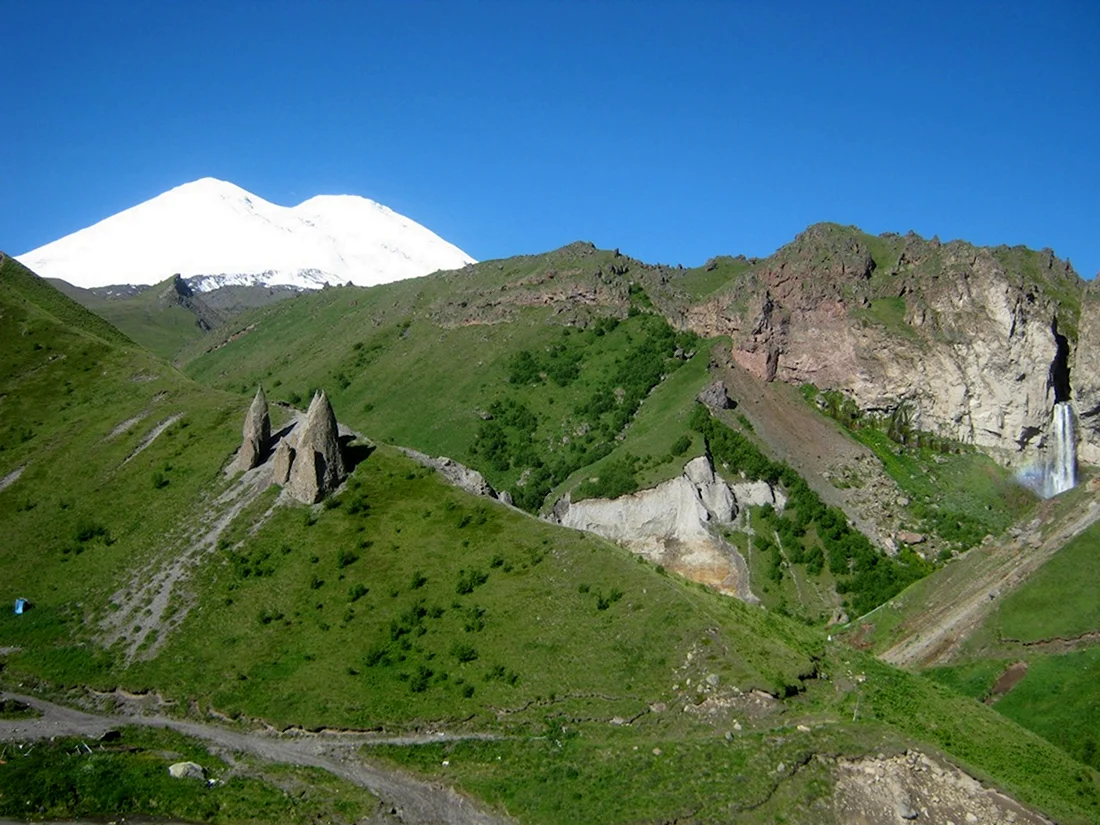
{"x": 256, "y": 433}
{"x": 317, "y": 467}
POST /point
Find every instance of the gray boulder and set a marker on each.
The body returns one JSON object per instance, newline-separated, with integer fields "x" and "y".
{"x": 187, "y": 770}
{"x": 256, "y": 434}
{"x": 716, "y": 396}
{"x": 316, "y": 467}
{"x": 284, "y": 455}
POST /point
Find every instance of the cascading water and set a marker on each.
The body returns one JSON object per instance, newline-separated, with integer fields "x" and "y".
{"x": 1058, "y": 470}
{"x": 1061, "y": 470}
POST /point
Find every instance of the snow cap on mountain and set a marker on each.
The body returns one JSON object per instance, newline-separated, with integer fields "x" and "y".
{"x": 216, "y": 229}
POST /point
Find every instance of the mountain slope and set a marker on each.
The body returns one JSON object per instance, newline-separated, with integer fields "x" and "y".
{"x": 574, "y": 682}
{"x": 163, "y": 318}
{"x": 218, "y": 232}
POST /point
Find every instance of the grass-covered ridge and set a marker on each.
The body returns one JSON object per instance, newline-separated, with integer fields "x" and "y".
{"x": 406, "y": 601}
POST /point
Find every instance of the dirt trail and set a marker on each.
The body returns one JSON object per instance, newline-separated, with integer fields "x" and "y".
{"x": 417, "y": 801}
{"x": 817, "y": 448}
{"x": 935, "y": 635}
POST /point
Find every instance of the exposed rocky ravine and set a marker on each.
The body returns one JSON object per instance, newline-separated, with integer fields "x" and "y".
{"x": 674, "y": 524}
{"x": 966, "y": 336}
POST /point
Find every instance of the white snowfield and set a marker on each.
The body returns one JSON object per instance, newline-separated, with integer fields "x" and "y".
{"x": 215, "y": 229}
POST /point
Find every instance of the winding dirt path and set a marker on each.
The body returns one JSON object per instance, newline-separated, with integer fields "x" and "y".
{"x": 935, "y": 635}
{"x": 416, "y": 801}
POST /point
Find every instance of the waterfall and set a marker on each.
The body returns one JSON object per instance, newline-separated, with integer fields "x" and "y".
{"x": 1061, "y": 469}
{"x": 1056, "y": 472}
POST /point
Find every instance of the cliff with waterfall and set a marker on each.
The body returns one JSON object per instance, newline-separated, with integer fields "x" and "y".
{"x": 995, "y": 347}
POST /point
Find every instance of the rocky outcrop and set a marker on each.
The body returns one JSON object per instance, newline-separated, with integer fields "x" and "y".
{"x": 187, "y": 770}
{"x": 281, "y": 461}
{"x": 716, "y": 396}
{"x": 965, "y": 337}
{"x": 177, "y": 292}
{"x": 457, "y": 474}
{"x": 911, "y": 786}
{"x": 316, "y": 464}
{"x": 672, "y": 524}
{"x": 256, "y": 434}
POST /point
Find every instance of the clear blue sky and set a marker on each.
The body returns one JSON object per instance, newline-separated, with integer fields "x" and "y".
{"x": 674, "y": 130}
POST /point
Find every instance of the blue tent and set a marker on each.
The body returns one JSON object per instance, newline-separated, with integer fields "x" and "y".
{"x": 20, "y": 606}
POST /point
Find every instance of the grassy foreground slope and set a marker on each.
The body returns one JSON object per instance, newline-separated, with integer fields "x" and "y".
{"x": 407, "y": 605}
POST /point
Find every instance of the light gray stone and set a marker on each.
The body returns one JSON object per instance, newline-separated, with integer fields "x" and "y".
{"x": 255, "y": 435}
{"x": 187, "y": 770}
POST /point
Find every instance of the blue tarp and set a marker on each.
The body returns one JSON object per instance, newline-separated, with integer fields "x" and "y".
{"x": 20, "y": 606}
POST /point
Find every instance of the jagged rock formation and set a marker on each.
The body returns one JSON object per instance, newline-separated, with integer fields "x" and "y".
{"x": 256, "y": 434}
{"x": 316, "y": 466}
{"x": 716, "y": 396}
{"x": 281, "y": 461}
{"x": 457, "y": 474}
{"x": 970, "y": 339}
{"x": 673, "y": 523}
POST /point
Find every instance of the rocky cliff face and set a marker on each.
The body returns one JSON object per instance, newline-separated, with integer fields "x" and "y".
{"x": 975, "y": 341}
{"x": 673, "y": 524}
{"x": 1084, "y": 377}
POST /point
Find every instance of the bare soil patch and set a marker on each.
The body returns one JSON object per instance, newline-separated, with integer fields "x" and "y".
{"x": 1012, "y": 676}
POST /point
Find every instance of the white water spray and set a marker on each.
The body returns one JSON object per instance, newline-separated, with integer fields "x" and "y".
{"x": 1061, "y": 474}
{"x": 1057, "y": 471}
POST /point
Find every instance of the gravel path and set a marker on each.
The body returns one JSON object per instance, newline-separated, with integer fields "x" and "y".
{"x": 416, "y": 801}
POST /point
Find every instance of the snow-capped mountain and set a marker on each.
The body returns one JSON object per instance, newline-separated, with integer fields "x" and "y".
{"x": 214, "y": 234}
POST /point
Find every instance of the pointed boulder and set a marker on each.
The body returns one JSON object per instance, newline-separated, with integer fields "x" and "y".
{"x": 256, "y": 433}
{"x": 317, "y": 467}
{"x": 284, "y": 458}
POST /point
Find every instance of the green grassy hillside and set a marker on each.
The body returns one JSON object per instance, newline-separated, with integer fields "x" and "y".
{"x": 599, "y": 688}
{"x": 157, "y": 317}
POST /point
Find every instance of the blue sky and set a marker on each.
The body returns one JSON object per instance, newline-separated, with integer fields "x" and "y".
{"x": 675, "y": 131}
